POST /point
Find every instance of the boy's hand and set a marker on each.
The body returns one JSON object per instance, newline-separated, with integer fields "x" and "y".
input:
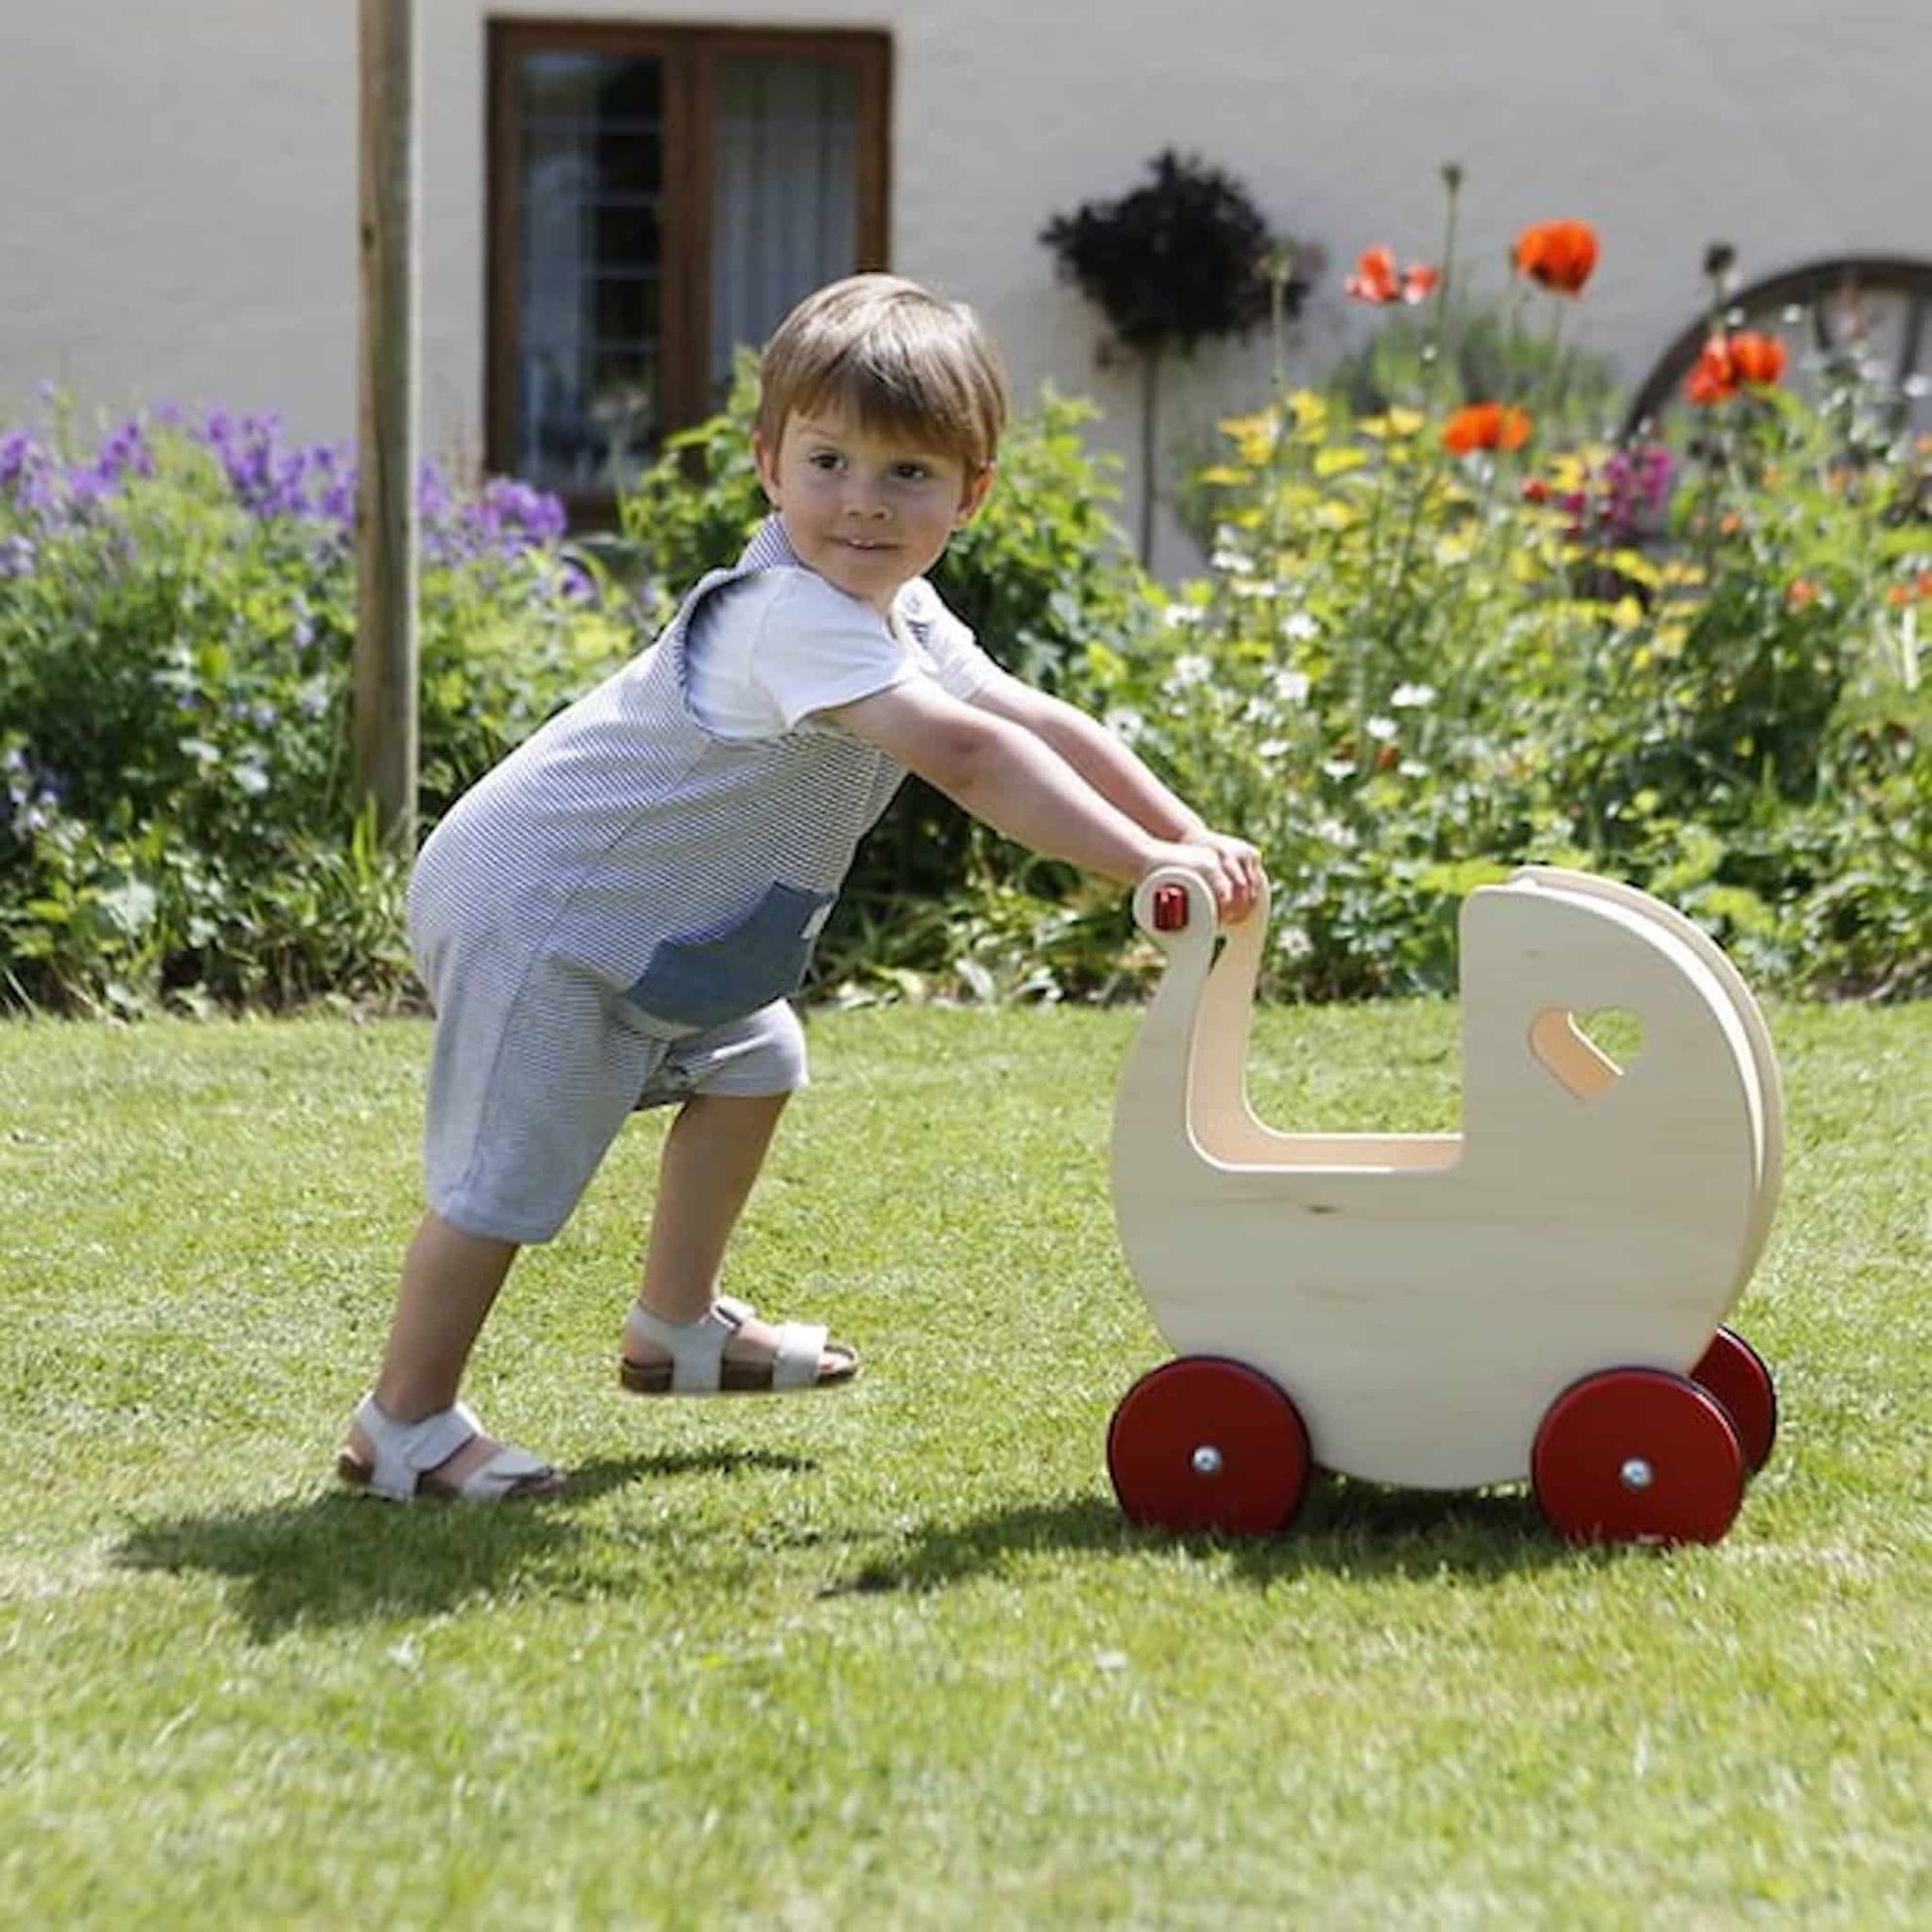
{"x": 1228, "y": 867}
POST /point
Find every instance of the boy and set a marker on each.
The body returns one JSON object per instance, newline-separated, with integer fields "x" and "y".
{"x": 615, "y": 916}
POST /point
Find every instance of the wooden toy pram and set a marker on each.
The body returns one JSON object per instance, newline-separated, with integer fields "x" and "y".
{"x": 1538, "y": 1297}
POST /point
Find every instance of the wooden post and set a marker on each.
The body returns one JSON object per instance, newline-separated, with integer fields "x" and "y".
{"x": 384, "y": 703}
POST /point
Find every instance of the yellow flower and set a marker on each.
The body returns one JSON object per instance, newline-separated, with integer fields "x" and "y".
{"x": 1337, "y": 462}
{"x": 1634, "y": 565}
{"x": 1254, "y": 437}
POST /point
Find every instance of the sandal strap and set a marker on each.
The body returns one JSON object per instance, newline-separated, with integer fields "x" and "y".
{"x": 802, "y": 1347}
{"x": 405, "y": 1451}
{"x": 504, "y": 1471}
{"x": 696, "y": 1348}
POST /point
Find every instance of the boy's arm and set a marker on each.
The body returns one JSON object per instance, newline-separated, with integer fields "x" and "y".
{"x": 1112, "y": 767}
{"x": 1108, "y": 766}
{"x": 1020, "y": 783}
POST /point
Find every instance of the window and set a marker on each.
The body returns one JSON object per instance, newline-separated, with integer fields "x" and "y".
{"x": 657, "y": 198}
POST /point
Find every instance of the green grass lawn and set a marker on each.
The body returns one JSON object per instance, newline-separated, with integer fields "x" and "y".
{"x": 891, "y": 1657}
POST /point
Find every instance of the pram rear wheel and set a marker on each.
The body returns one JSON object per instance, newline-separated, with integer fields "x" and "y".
{"x": 1207, "y": 1443}
{"x": 1736, "y": 1374}
{"x": 1637, "y": 1455}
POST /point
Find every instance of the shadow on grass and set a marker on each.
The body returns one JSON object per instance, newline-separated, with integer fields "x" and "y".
{"x": 339, "y": 1557}
{"x": 1344, "y": 1528}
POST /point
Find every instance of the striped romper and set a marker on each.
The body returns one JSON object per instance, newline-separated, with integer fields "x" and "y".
{"x": 615, "y": 915}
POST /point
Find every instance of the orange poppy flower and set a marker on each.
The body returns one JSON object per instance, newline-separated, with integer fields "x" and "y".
{"x": 1376, "y": 279}
{"x": 1712, "y": 380}
{"x": 1487, "y": 425}
{"x": 1727, "y": 363}
{"x": 1561, "y": 255}
{"x": 1756, "y": 359}
{"x": 1803, "y": 590}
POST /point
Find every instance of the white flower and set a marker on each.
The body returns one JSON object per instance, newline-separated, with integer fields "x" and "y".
{"x": 1338, "y": 768}
{"x": 1188, "y": 670}
{"x": 1184, "y": 614}
{"x": 1299, "y": 626}
{"x": 1405, "y": 697}
{"x": 1229, "y": 559}
{"x": 1291, "y": 687}
{"x": 1126, "y": 724}
{"x": 1271, "y": 748}
{"x": 1381, "y": 728}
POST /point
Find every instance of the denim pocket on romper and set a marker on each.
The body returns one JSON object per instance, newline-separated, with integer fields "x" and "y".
{"x": 704, "y": 982}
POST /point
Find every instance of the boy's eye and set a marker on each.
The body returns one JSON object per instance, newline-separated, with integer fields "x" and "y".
{"x": 824, "y": 458}
{"x": 911, "y": 472}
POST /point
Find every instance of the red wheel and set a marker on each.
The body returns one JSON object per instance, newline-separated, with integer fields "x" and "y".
{"x": 1636, "y": 1455}
{"x": 1735, "y": 1373}
{"x": 1202, "y": 1443}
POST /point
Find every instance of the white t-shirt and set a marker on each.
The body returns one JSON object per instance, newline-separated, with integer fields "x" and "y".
{"x": 766, "y": 652}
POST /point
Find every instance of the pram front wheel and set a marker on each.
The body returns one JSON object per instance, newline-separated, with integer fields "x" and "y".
{"x": 1735, "y": 1373}
{"x": 1209, "y": 1444}
{"x": 1637, "y": 1455}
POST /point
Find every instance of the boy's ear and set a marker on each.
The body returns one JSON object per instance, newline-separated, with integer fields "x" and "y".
{"x": 973, "y": 495}
{"x": 767, "y": 460}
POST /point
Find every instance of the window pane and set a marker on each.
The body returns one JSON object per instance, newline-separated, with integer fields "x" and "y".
{"x": 785, "y": 205}
{"x": 589, "y": 322}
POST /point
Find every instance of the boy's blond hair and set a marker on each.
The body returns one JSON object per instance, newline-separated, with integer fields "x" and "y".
{"x": 894, "y": 357}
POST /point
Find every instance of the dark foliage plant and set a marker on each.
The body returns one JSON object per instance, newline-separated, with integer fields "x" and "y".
{"x": 1173, "y": 262}
{"x": 1184, "y": 259}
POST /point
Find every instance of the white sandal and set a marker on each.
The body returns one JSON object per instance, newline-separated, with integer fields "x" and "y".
{"x": 698, "y": 1366}
{"x": 407, "y": 1453}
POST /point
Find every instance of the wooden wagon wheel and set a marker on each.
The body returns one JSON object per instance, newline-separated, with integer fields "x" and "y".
{"x": 1848, "y": 314}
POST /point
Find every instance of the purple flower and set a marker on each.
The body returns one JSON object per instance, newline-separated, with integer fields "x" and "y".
{"x": 125, "y": 450}
{"x": 16, "y": 557}
{"x": 1636, "y": 488}
{"x": 17, "y": 453}
{"x": 87, "y": 486}
{"x": 432, "y": 493}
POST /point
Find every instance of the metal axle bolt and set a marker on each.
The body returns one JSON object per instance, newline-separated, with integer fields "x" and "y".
{"x": 1208, "y": 1460}
{"x": 1636, "y": 1473}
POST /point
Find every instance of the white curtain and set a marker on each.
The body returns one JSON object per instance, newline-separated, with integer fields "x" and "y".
{"x": 784, "y": 211}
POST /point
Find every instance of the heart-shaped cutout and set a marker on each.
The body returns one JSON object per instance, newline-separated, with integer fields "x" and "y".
{"x": 1586, "y": 1054}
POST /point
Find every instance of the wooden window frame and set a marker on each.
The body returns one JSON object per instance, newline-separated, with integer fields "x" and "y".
{"x": 689, "y": 56}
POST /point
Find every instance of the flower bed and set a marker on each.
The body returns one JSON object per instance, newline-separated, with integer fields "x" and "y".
{"x": 177, "y": 608}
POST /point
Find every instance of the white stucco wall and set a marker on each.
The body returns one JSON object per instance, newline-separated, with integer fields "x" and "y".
{"x": 178, "y": 214}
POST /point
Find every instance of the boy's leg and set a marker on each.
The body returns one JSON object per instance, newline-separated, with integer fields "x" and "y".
{"x": 712, "y": 1157}
{"x": 450, "y": 1279}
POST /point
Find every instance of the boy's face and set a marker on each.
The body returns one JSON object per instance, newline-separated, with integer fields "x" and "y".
{"x": 869, "y": 512}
